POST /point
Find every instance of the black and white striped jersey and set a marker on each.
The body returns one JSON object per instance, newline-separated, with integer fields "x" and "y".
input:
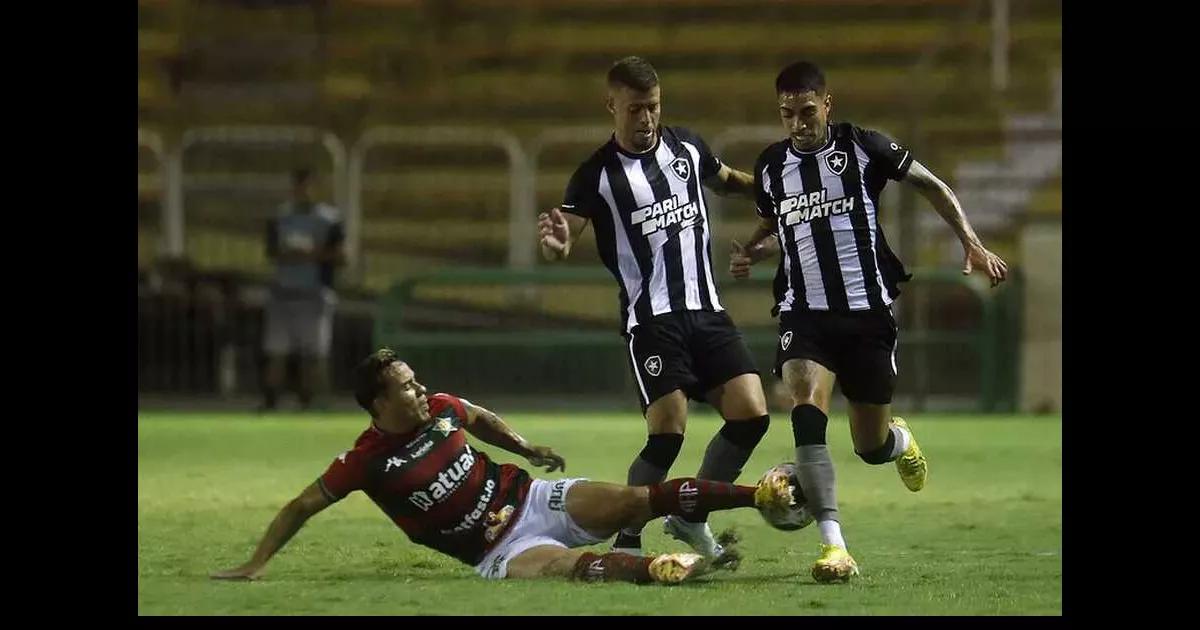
{"x": 651, "y": 223}
{"x": 825, "y": 204}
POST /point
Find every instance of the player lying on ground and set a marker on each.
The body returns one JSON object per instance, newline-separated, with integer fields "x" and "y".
{"x": 415, "y": 463}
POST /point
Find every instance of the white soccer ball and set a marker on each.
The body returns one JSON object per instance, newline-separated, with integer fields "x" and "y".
{"x": 795, "y": 516}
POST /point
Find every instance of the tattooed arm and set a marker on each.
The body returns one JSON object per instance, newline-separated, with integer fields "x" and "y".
{"x": 490, "y": 428}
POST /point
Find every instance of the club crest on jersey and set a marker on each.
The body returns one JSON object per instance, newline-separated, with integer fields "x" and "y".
{"x": 682, "y": 168}
{"x": 786, "y": 340}
{"x": 495, "y": 522}
{"x": 444, "y": 427}
{"x": 654, "y": 365}
{"x": 836, "y": 161}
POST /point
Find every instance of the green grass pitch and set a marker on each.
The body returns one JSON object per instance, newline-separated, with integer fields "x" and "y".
{"x": 983, "y": 537}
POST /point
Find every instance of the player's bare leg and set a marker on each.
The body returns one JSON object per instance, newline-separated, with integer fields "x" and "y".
{"x": 603, "y": 508}
{"x": 811, "y": 385}
{"x": 879, "y": 439}
{"x": 666, "y": 421}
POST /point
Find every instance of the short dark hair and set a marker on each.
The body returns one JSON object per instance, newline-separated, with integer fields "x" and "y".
{"x": 800, "y": 77}
{"x": 633, "y": 72}
{"x": 301, "y": 175}
{"x": 368, "y": 377}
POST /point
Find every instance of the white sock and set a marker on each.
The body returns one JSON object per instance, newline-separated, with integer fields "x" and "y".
{"x": 831, "y": 533}
{"x": 902, "y": 440}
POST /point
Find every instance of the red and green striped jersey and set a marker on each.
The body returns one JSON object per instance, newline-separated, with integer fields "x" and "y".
{"x": 432, "y": 484}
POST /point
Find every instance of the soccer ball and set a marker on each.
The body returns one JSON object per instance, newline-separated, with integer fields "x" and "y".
{"x": 795, "y": 516}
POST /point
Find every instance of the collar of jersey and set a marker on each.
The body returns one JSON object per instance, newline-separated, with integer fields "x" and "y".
{"x": 639, "y": 156}
{"x": 401, "y": 436}
{"x": 828, "y": 143}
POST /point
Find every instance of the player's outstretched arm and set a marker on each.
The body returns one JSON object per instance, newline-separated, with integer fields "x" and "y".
{"x": 729, "y": 182}
{"x": 488, "y": 427}
{"x": 289, "y": 521}
{"x": 762, "y": 244}
{"x": 558, "y": 231}
{"x": 946, "y": 203}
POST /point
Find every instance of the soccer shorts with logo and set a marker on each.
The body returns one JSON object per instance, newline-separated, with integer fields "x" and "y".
{"x": 858, "y": 346}
{"x": 693, "y": 351}
{"x": 543, "y": 520}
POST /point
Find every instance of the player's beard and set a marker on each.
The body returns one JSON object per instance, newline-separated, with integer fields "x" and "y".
{"x": 643, "y": 142}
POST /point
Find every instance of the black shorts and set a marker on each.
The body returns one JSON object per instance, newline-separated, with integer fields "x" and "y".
{"x": 859, "y": 347}
{"x": 693, "y": 351}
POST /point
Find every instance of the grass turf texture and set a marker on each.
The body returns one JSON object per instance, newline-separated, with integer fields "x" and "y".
{"x": 983, "y": 537}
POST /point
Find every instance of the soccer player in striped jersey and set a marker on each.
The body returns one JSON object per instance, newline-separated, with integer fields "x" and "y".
{"x": 818, "y": 204}
{"x": 415, "y": 463}
{"x": 642, "y": 191}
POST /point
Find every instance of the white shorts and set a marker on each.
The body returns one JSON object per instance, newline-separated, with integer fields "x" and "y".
{"x": 543, "y": 521}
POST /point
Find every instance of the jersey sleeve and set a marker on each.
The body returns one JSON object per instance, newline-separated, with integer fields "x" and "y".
{"x": 709, "y": 163}
{"x": 892, "y": 155}
{"x": 582, "y": 191}
{"x": 440, "y": 401}
{"x": 764, "y": 205}
{"x": 346, "y": 473}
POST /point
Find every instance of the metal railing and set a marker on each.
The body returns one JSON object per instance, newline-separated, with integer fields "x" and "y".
{"x": 521, "y": 228}
{"x": 565, "y": 358}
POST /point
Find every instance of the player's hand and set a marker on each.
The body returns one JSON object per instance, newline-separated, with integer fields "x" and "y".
{"x": 740, "y": 259}
{"x": 978, "y": 257}
{"x": 247, "y": 571}
{"x": 554, "y": 231}
{"x": 545, "y": 456}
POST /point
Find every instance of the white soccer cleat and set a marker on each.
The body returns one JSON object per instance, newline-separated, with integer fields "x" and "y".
{"x": 698, "y": 536}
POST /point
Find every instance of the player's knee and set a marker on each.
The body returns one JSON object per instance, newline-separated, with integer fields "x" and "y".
{"x": 808, "y": 425}
{"x": 803, "y": 391}
{"x": 746, "y": 433}
{"x": 881, "y": 455}
{"x": 661, "y": 449}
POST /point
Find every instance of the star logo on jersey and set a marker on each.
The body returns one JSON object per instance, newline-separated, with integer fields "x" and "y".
{"x": 394, "y": 461}
{"x": 836, "y": 161}
{"x": 786, "y": 340}
{"x": 682, "y": 168}
{"x": 654, "y": 365}
{"x": 444, "y": 427}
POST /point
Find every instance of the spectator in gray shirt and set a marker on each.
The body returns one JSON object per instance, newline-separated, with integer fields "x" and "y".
{"x": 305, "y": 241}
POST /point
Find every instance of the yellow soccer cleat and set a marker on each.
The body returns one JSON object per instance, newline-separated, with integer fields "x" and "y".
{"x": 673, "y": 568}
{"x": 834, "y": 565}
{"x": 911, "y": 464}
